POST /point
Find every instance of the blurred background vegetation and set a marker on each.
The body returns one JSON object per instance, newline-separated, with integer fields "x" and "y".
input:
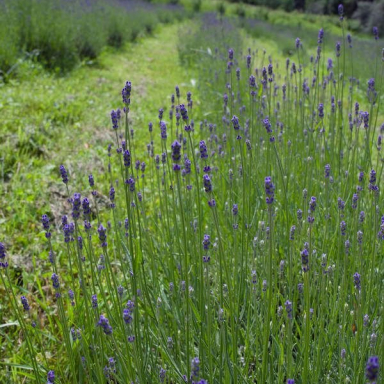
{"x": 369, "y": 13}
{"x": 61, "y": 33}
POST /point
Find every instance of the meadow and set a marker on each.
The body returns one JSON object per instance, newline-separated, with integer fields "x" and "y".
{"x": 198, "y": 203}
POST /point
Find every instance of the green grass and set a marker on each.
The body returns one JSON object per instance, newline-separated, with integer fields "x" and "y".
{"x": 50, "y": 120}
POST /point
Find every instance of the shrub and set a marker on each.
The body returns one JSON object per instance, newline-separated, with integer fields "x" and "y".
{"x": 221, "y": 9}
{"x": 363, "y": 13}
{"x": 197, "y": 5}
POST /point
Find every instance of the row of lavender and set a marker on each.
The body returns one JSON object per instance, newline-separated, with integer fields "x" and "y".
{"x": 245, "y": 247}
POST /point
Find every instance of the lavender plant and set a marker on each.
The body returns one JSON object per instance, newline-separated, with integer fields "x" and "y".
{"x": 243, "y": 243}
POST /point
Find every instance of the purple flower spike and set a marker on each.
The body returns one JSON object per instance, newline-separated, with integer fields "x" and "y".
{"x": 206, "y": 242}
{"x": 104, "y": 324}
{"x": 163, "y": 130}
{"x": 64, "y": 174}
{"x": 102, "y": 235}
{"x": 127, "y": 158}
{"x": 45, "y": 222}
{"x": 203, "y": 150}
{"x": 24, "y": 302}
{"x": 176, "y": 147}
{"x": 349, "y": 39}
{"x": 131, "y": 184}
{"x": 76, "y": 205}
{"x": 338, "y": 48}
{"x": 312, "y": 204}
{"x": 340, "y": 10}
{"x": 320, "y": 36}
{"x": 321, "y": 110}
{"x": 372, "y": 368}
{"x": 91, "y": 181}
{"x": 126, "y": 93}
{"x": 114, "y": 119}
{"x": 249, "y": 59}
{"x": 375, "y": 32}
{"x": 267, "y": 125}
{"x": 288, "y": 308}
{"x": 112, "y": 197}
{"x": 51, "y": 377}
{"x": 207, "y": 183}
{"x": 343, "y": 228}
{"x": 356, "y": 280}
{"x": 327, "y": 170}
{"x": 86, "y": 208}
{"x": 55, "y": 281}
{"x": 269, "y": 190}
{"x": 305, "y": 259}
{"x": 292, "y": 233}
{"x": 184, "y": 112}
{"x": 94, "y": 301}
{"x": 162, "y": 375}
{"x": 195, "y": 367}
{"x": 235, "y": 122}
{"x": 3, "y": 263}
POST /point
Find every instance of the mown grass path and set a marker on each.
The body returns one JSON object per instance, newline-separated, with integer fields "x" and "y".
{"x": 47, "y": 121}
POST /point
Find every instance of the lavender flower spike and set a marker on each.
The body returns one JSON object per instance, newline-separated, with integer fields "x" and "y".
{"x": 64, "y": 174}
{"x": 24, "y": 302}
{"x": 372, "y": 368}
{"x": 3, "y": 263}
{"x": 102, "y": 235}
{"x": 269, "y": 190}
{"x": 51, "y": 377}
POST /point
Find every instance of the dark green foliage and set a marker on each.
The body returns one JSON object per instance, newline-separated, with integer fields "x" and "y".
{"x": 299, "y": 4}
{"x": 377, "y": 17}
{"x": 370, "y": 15}
{"x": 197, "y": 6}
{"x": 318, "y": 6}
{"x": 363, "y": 12}
{"x": 221, "y": 9}
{"x": 240, "y": 11}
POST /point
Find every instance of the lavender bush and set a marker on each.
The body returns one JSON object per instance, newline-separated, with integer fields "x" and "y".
{"x": 59, "y": 34}
{"x": 243, "y": 243}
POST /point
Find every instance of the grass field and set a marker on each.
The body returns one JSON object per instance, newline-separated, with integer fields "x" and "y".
{"x": 49, "y": 120}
